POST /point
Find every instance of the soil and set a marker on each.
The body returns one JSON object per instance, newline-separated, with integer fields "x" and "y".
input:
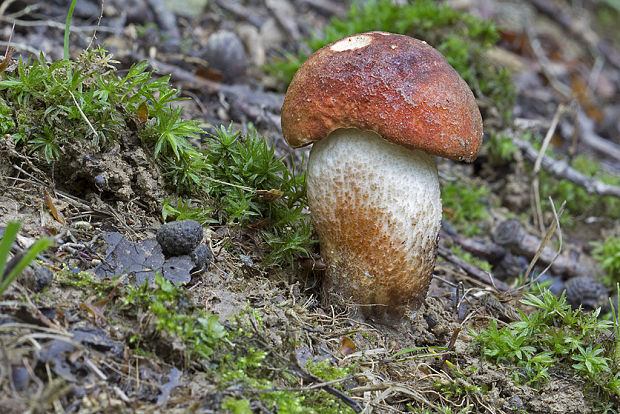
{"x": 67, "y": 352}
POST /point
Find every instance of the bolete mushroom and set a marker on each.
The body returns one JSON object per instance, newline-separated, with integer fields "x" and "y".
{"x": 378, "y": 107}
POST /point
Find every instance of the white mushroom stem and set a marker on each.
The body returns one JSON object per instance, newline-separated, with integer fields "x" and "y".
{"x": 377, "y": 209}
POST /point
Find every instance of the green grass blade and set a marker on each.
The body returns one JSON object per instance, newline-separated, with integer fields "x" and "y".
{"x": 38, "y": 246}
{"x": 68, "y": 29}
{"x": 10, "y": 233}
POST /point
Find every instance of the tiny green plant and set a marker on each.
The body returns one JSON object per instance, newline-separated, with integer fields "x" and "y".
{"x": 328, "y": 371}
{"x": 608, "y": 255}
{"x": 590, "y": 362}
{"x": 85, "y": 281}
{"x": 180, "y": 209}
{"x": 61, "y": 109}
{"x": 578, "y": 201}
{"x": 236, "y": 406}
{"x": 68, "y": 29}
{"x": 83, "y": 104}
{"x": 11, "y": 269}
{"x": 554, "y": 337}
{"x": 466, "y": 204}
{"x": 249, "y": 184}
{"x": 500, "y": 149}
{"x": 199, "y": 330}
{"x": 455, "y": 389}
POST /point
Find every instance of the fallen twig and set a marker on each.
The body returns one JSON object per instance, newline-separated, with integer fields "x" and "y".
{"x": 511, "y": 235}
{"x": 241, "y": 12}
{"x": 165, "y": 18}
{"x": 536, "y": 180}
{"x": 561, "y": 169}
{"x": 394, "y": 388}
{"x": 326, "y": 7}
{"x": 543, "y": 244}
{"x": 283, "y": 15}
{"x": 472, "y": 270}
{"x": 545, "y": 64}
{"x": 265, "y": 100}
{"x": 58, "y": 25}
{"x": 490, "y": 252}
{"x": 580, "y": 31}
{"x": 593, "y": 140}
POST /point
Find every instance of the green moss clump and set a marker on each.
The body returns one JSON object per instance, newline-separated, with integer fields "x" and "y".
{"x": 607, "y": 254}
{"x": 500, "y": 149}
{"x": 201, "y": 332}
{"x": 467, "y": 206}
{"x": 555, "y": 338}
{"x": 265, "y": 376}
{"x": 578, "y": 201}
{"x": 57, "y": 110}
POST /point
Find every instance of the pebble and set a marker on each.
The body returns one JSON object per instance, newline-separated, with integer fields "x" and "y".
{"x": 246, "y": 260}
{"x": 42, "y": 277}
{"x": 587, "y": 292}
{"x": 179, "y": 237}
{"x": 556, "y": 286}
{"x": 201, "y": 256}
{"x": 20, "y": 377}
{"x": 226, "y": 54}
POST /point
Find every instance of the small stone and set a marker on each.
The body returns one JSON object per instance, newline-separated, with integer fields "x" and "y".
{"x": 226, "y": 54}
{"x": 556, "y": 286}
{"x": 587, "y": 292}
{"x": 515, "y": 404}
{"x": 176, "y": 269}
{"x": 20, "y": 377}
{"x": 246, "y": 260}
{"x": 42, "y": 277}
{"x": 179, "y": 237}
{"x": 201, "y": 256}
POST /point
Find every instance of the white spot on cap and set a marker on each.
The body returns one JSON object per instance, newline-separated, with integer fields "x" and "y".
{"x": 351, "y": 43}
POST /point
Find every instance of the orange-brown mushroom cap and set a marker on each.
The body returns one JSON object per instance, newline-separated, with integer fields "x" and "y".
{"x": 395, "y": 85}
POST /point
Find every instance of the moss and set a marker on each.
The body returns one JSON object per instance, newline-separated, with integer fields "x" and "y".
{"x": 265, "y": 376}
{"x": 465, "y": 205}
{"x": 56, "y": 110}
{"x": 607, "y": 254}
{"x": 578, "y": 201}
{"x": 555, "y": 338}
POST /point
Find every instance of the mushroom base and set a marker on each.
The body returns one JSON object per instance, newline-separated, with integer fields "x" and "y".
{"x": 376, "y": 207}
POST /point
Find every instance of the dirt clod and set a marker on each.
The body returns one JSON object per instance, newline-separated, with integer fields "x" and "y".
{"x": 179, "y": 237}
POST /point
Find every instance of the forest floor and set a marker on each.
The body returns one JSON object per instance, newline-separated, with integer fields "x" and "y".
{"x": 247, "y": 333}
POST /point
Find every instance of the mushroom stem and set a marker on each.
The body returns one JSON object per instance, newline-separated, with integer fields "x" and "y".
{"x": 376, "y": 207}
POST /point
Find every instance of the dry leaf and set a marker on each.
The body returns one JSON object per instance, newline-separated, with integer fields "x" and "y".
{"x": 52, "y": 208}
{"x": 347, "y": 347}
{"x": 142, "y": 113}
{"x": 269, "y": 196}
{"x": 7, "y": 59}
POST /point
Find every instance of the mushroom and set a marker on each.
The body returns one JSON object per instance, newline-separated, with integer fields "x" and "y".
{"x": 378, "y": 107}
